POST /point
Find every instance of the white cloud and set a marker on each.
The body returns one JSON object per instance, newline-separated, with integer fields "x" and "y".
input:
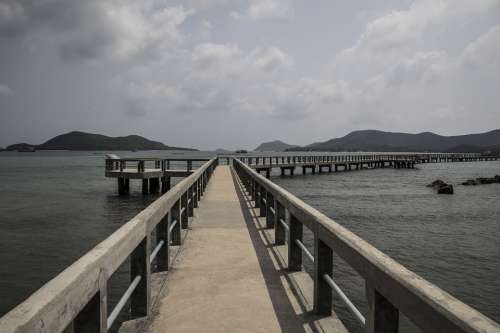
{"x": 273, "y": 58}
{"x": 485, "y": 51}
{"x": 397, "y": 35}
{"x": 265, "y": 9}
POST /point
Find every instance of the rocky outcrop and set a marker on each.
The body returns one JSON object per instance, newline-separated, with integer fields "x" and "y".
{"x": 482, "y": 180}
{"x": 441, "y": 187}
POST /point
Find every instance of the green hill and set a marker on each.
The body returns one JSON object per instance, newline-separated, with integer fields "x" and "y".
{"x": 88, "y": 141}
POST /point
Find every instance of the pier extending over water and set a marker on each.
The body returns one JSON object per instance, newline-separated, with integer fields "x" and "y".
{"x": 349, "y": 162}
{"x": 240, "y": 239}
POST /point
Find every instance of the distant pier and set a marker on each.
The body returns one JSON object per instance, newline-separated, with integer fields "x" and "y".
{"x": 329, "y": 163}
{"x": 155, "y": 173}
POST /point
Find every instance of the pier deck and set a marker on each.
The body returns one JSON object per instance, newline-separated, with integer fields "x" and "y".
{"x": 225, "y": 271}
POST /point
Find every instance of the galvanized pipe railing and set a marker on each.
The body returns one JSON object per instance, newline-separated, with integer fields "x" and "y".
{"x": 390, "y": 287}
{"x": 76, "y": 299}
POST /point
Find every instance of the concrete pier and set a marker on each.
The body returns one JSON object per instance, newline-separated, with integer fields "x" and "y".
{"x": 237, "y": 267}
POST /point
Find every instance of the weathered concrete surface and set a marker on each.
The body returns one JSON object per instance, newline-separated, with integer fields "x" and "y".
{"x": 225, "y": 280}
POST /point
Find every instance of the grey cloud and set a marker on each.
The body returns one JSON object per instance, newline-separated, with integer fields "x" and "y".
{"x": 5, "y": 90}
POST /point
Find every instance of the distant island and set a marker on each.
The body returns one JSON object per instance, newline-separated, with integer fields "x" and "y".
{"x": 88, "y": 141}
{"x": 380, "y": 141}
{"x": 276, "y": 145}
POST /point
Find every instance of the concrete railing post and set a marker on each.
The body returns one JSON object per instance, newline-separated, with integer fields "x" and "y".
{"x": 279, "y": 229}
{"x": 93, "y": 317}
{"x": 195, "y": 195}
{"x": 294, "y": 251}
{"x": 383, "y": 317}
{"x": 184, "y": 210}
{"x": 257, "y": 195}
{"x": 190, "y": 202}
{"x": 323, "y": 262}
{"x": 263, "y": 204}
{"x": 269, "y": 213}
{"x": 175, "y": 214}
{"x": 162, "y": 234}
{"x": 139, "y": 266}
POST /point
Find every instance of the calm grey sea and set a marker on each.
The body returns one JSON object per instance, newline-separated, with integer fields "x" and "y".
{"x": 55, "y": 206}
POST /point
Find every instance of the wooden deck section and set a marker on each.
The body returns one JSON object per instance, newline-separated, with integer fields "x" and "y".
{"x": 229, "y": 278}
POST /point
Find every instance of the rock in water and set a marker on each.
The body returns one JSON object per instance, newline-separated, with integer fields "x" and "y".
{"x": 437, "y": 183}
{"x": 470, "y": 182}
{"x": 445, "y": 189}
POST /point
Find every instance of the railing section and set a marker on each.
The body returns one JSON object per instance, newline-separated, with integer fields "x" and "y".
{"x": 76, "y": 299}
{"x": 390, "y": 287}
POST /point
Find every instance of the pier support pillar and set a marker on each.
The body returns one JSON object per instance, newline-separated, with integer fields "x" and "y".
{"x": 154, "y": 185}
{"x": 165, "y": 184}
{"x": 121, "y": 186}
{"x": 145, "y": 186}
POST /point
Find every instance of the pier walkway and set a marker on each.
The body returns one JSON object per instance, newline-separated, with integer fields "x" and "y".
{"x": 225, "y": 272}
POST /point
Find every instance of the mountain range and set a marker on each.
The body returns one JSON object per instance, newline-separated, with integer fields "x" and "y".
{"x": 378, "y": 141}
{"x": 276, "y": 145}
{"x": 88, "y": 141}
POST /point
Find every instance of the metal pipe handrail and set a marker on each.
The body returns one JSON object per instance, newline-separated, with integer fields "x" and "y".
{"x": 123, "y": 300}
{"x": 354, "y": 310}
{"x": 305, "y": 250}
{"x": 156, "y": 250}
{"x": 284, "y": 224}
{"x": 172, "y": 226}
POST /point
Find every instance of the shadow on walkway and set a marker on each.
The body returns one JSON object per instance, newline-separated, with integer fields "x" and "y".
{"x": 291, "y": 302}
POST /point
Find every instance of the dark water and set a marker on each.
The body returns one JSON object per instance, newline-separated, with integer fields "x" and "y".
{"x": 55, "y": 206}
{"x": 450, "y": 240}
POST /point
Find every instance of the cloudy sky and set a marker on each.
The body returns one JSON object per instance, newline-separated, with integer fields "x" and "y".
{"x": 234, "y": 73}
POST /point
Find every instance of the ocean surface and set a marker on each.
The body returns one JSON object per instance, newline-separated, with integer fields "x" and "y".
{"x": 55, "y": 206}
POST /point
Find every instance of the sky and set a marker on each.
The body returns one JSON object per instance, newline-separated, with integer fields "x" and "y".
{"x": 232, "y": 73}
